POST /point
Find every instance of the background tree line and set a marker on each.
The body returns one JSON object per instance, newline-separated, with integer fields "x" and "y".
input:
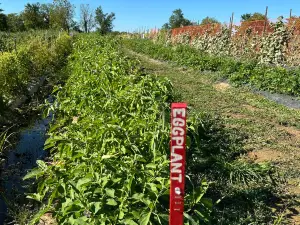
{"x": 57, "y": 15}
{"x": 177, "y": 19}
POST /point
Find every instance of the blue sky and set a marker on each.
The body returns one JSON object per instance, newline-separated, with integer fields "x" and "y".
{"x": 138, "y": 14}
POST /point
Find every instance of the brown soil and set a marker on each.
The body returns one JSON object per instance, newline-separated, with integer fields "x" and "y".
{"x": 295, "y": 218}
{"x": 221, "y": 86}
{"x": 295, "y": 190}
{"x": 292, "y": 131}
{"x": 265, "y": 155}
{"x": 236, "y": 115}
{"x": 251, "y": 108}
{"x": 47, "y": 219}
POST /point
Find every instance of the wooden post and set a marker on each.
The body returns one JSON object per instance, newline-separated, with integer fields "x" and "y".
{"x": 266, "y": 20}
{"x": 231, "y": 24}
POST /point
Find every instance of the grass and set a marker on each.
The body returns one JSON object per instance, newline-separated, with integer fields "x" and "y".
{"x": 272, "y": 135}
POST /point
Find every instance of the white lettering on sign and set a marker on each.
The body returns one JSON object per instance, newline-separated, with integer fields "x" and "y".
{"x": 177, "y": 112}
{"x": 179, "y": 140}
{"x": 176, "y": 157}
{"x": 178, "y": 135}
{"x": 178, "y": 131}
{"x": 176, "y": 167}
{"x": 177, "y": 177}
{"x": 178, "y": 122}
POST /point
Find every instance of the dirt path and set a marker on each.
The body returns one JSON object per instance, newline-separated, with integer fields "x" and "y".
{"x": 273, "y": 130}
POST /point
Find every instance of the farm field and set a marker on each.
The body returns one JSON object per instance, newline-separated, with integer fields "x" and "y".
{"x": 109, "y": 141}
{"x": 88, "y": 136}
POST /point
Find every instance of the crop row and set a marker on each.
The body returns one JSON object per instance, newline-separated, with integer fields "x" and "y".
{"x": 272, "y": 78}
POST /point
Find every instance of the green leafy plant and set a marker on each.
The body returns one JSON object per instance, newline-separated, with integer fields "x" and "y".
{"x": 33, "y": 59}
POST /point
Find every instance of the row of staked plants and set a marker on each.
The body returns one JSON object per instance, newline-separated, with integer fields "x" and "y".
{"x": 32, "y": 59}
{"x": 109, "y": 147}
{"x": 279, "y": 47}
{"x": 240, "y": 72}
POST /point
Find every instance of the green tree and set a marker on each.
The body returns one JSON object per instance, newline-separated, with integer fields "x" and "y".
{"x": 104, "y": 21}
{"x": 246, "y": 16}
{"x": 252, "y": 17}
{"x": 61, "y": 14}
{"x": 32, "y": 16}
{"x": 15, "y": 22}
{"x": 3, "y": 21}
{"x": 177, "y": 19}
{"x": 45, "y": 13}
{"x": 166, "y": 26}
{"x": 86, "y": 18}
{"x": 209, "y": 20}
{"x": 75, "y": 26}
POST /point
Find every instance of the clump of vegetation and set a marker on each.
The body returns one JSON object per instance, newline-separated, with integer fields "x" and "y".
{"x": 209, "y": 20}
{"x": 32, "y": 60}
{"x": 275, "y": 45}
{"x": 176, "y": 20}
{"x": 252, "y": 17}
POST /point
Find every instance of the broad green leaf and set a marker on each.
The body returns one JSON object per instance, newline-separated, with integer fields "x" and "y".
{"x": 151, "y": 165}
{"x": 33, "y": 173}
{"x": 110, "y": 192}
{"x": 207, "y": 202}
{"x": 130, "y": 222}
{"x": 35, "y": 196}
{"x": 138, "y": 196}
{"x": 41, "y": 164}
{"x": 145, "y": 218}
{"x": 97, "y": 206}
{"x": 193, "y": 222}
{"x": 82, "y": 181}
{"x": 107, "y": 156}
{"x": 121, "y": 214}
{"x": 111, "y": 201}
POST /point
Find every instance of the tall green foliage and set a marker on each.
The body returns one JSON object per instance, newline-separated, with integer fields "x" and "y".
{"x": 35, "y": 58}
{"x": 15, "y": 22}
{"x": 252, "y": 17}
{"x": 3, "y": 21}
{"x": 177, "y": 19}
{"x": 87, "y": 20}
{"x": 209, "y": 20}
{"x": 32, "y": 16}
{"x": 104, "y": 21}
{"x": 61, "y": 14}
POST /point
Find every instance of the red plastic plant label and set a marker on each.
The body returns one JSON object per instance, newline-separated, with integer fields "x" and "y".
{"x": 177, "y": 165}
